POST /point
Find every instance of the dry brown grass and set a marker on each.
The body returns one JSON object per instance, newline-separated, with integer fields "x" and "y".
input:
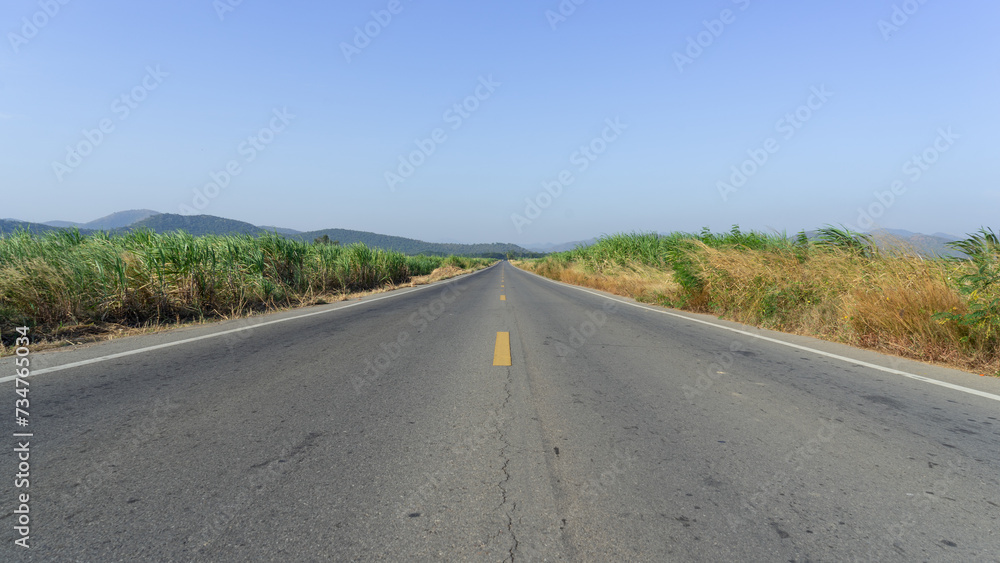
{"x": 633, "y": 280}
{"x": 886, "y": 304}
{"x": 442, "y": 273}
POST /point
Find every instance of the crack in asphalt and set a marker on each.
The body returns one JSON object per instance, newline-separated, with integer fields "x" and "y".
{"x": 503, "y": 468}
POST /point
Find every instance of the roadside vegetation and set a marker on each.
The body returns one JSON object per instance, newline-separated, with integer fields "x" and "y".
{"x": 837, "y": 285}
{"x": 64, "y": 284}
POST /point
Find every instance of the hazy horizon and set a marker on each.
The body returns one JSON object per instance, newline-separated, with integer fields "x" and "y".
{"x": 529, "y": 243}
{"x": 437, "y": 122}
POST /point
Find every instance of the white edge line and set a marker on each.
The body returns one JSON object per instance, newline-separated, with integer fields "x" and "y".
{"x": 783, "y": 343}
{"x": 217, "y": 334}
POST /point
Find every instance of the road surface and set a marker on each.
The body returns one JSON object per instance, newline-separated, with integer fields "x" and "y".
{"x": 499, "y": 416}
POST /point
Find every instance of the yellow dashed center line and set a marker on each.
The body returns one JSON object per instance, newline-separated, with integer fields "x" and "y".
{"x": 501, "y": 352}
{"x": 503, "y": 298}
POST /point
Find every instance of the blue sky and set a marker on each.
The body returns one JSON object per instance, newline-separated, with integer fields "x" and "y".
{"x": 313, "y": 132}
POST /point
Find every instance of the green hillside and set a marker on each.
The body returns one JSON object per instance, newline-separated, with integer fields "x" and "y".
{"x": 120, "y": 219}
{"x": 200, "y": 225}
{"x": 413, "y": 246}
{"x": 8, "y": 227}
{"x": 197, "y": 225}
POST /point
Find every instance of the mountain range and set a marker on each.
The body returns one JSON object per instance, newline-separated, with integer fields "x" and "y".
{"x": 124, "y": 221}
{"x": 559, "y": 247}
{"x": 928, "y": 245}
{"x": 198, "y": 225}
{"x": 114, "y": 221}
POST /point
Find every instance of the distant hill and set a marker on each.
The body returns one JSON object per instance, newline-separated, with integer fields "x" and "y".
{"x": 197, "y": 225}
{"x": 109, "y": 222}
{"x": 559, "y": 247}
{"x": 63, "y": 224}
{"x": 200, "y": 225}
{"x": 926, "y": 245}
{"x": 280, "y": 230}
{"x": 413, "y": 246}
{"x": 120, "y": 219}
{"x": 11, "y": 226}
{"x": 946, "y": 236}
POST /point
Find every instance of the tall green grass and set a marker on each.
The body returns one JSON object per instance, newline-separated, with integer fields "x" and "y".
{"x": 837, "y": 284}
{"x": 653, "y": 249}
{"x": 65, "y": 278}
{"x": 978, "y": 279}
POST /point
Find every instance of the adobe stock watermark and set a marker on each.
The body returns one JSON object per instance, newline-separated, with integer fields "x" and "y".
{"x": 224, "y": 7}
{"x": 723, "y": 362}
{"x": 455, "y": 116}
{"x": 594, "y": 488}
{"x": 913, "y": 169}
{"x": 248, "y": 150}
{"x": 121, "y": 108}
{"x": 696, "y": 44}
{"x": 900, "y": 16}
{"x": 33, "y": 25}
{"x": 363, "y": 35}
{"x": 261, "y": 478}
{"x": 472, "y": 440}
{"x": 582, "y": 158}
{"x": 921, "y": 503}
{"x": 788, "y": 126}
{"x": 563, "y": 11}
{"x": 579, "y": 335}
{"x": 392, "y": 350}
{"x": 794, "y": 462}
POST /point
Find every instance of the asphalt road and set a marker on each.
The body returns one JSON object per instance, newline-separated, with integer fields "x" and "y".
{"x": 381, "y": 429}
